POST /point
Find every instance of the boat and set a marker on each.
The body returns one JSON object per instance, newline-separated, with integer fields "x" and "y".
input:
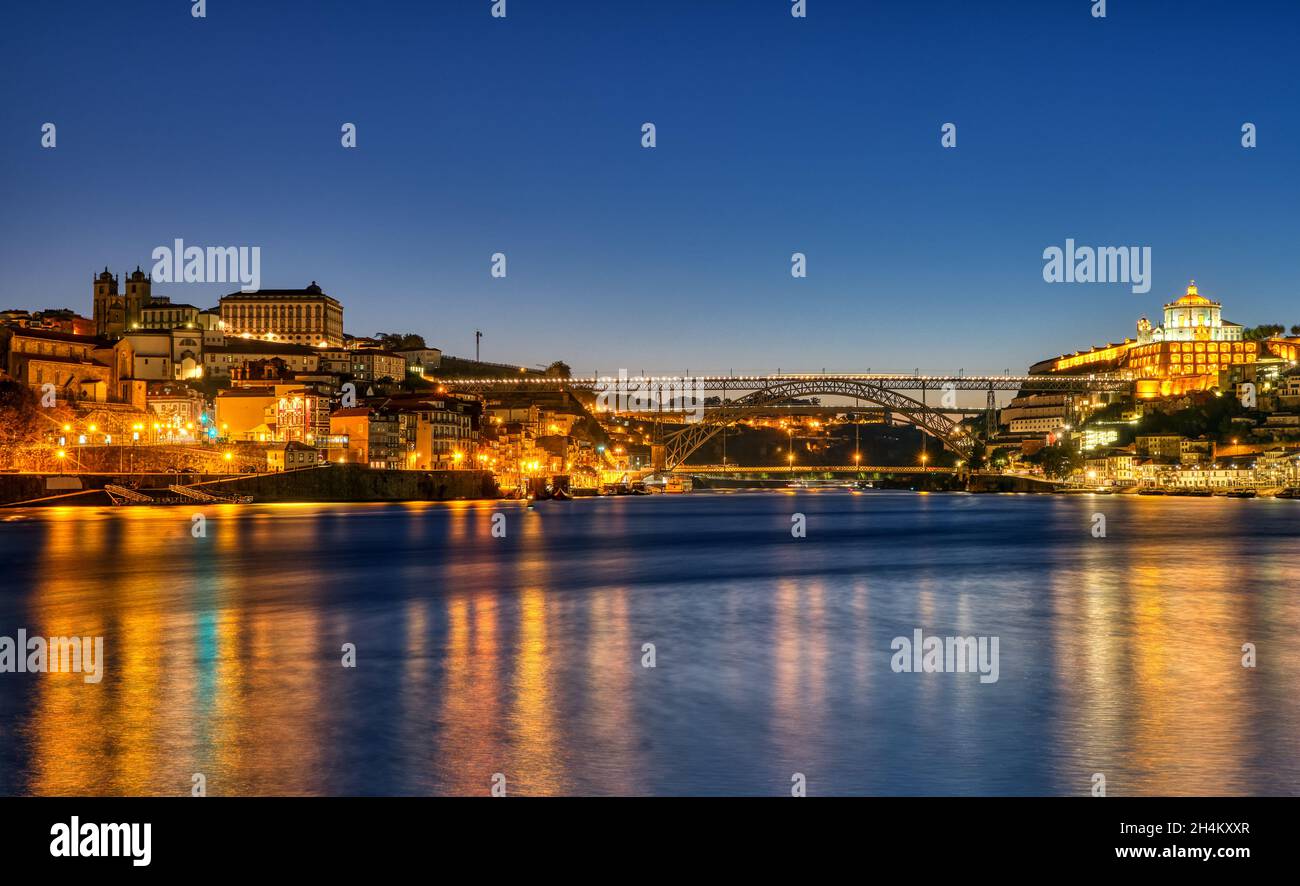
{"x": 797, "y": 484}
{"x": 1242, "y": 493}
{"x": 561, "y": 494}
{"x": 1151, "y": 491}
{"x": 678, "y": 485}
{"x": 1289, "y": 492}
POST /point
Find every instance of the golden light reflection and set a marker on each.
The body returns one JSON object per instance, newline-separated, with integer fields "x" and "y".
{"x": 1153, "y": 695}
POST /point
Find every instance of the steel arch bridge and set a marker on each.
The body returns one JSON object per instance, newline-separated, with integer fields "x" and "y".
{"x": 681, "y": 444}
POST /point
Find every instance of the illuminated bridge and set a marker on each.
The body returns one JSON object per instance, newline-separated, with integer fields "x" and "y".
{"x": 664, "y": 396}
{"x": 808, "y": 470}
{"x": 1101, "y": 382}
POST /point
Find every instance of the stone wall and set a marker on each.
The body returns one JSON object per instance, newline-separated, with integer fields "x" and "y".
{"x": 334, "y": 482}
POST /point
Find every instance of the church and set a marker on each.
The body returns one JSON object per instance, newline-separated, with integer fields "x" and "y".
{"x": 1194, "y": 349}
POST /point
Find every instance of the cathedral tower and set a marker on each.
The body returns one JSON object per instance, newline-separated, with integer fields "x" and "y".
{"x": 110, "y": 311}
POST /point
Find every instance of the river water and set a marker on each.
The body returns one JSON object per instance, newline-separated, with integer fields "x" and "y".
{"x": 524, "y": 656}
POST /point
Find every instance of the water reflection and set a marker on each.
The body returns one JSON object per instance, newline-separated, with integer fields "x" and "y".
{"x": 522, "y": 656}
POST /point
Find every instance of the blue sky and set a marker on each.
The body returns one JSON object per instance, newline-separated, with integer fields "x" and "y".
{"x": 775, "y": 135}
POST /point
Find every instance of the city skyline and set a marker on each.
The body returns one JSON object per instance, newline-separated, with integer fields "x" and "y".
{"x": 617, "y": 252}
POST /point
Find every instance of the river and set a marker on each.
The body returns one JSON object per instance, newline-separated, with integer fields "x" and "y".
{"x": 522, "y": 658}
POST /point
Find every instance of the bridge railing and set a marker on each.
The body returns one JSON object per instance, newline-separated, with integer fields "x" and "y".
{"x": 891, "y": 381}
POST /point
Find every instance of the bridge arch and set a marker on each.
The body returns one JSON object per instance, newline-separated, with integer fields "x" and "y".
{"x": 681, "y": 444}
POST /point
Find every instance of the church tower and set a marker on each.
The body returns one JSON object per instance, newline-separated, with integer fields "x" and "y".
{"x": 110, "y": 316}
{"x": 138, "y": 296}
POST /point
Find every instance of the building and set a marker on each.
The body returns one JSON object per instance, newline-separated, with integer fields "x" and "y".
{"x": 291, "y": 456}
{"x": 54, "y": 319}
{"x": 437, "y": 432}
{"x": 1196, "y": 452}
{"x": 1045, "y": 425}
{"x": 1194, "y": 349}
{"x": 373, "y": 435}
{"x": 152, "y": 354}
{"x": 1034, "y": 416}
{"x": 80, "y": 368}
{"x": 297, "y": 316}
{"x": 422, "y": 360}
{"x": 162, "y": 314}
{"x": 1113, "y": 469}
{"x": 1098, "y": 438}
{"x": 179, "y": 406}
{"x": 301, "y": 414}
{"x": 277, "y": 413}
{"x": 246, "y": 414}
{"x": 376, "y": 365}
{"x": 218, "y": 360}
{"x": 1168, "y": 446}
{"x": 116, "y": 312}
{"x": 1210, "y": 477}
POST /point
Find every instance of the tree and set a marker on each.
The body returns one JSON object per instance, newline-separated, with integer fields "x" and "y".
{"x": 401, "y": 341}
{"x": 559, "y": 369}
{"x": 21, "y": 419}
{"x": 1295, "y": 328}
{"x": 1267, "y": 330}
{"x": 1058, "y": 460}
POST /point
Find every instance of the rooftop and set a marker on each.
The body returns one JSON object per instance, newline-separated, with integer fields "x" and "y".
{"x": 235, "y": 345}
{"x": 1192, "y": 299}
{"x": 312, "y": 290}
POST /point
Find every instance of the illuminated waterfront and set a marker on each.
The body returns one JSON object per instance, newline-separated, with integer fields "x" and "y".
{"x": 522, "y": 655}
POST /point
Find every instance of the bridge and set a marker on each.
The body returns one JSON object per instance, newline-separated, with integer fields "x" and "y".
{"x": 658, "y": 395}
{"x": 1100, "y": 382}
{"x": 724, "y": 470}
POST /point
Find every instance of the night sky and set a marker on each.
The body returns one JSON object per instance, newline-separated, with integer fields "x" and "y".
{"x": 775, "y": 135}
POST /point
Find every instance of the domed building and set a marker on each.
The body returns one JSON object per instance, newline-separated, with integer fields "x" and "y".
{"x": 1190, "y": 351}
{"x": 1193, "y": 317}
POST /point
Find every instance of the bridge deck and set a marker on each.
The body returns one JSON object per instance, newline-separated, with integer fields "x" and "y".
{"x": 811, "y": 469}
{"x": 896, "y": 382}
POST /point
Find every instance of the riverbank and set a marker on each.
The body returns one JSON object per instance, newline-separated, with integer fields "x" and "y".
{"x": 330, "y": 483}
